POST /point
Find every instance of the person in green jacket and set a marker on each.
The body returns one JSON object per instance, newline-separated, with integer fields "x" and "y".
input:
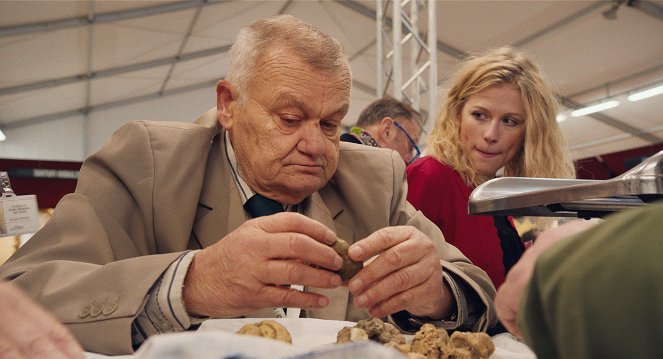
{"x": 597, "y": 294}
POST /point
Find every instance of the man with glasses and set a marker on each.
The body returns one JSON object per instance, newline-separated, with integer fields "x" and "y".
{"x": 388, "y": 123}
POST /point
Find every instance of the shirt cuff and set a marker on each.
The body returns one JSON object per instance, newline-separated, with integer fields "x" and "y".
{"x": 465, "y": 318}
{"x": 164, "y": 311}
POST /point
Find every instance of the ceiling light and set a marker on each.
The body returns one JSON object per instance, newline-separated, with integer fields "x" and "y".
{"x": 2, "y": 136}
{"x": 646, "y": 93}
{"x": 560, "y": 117}
{"x": 595, "y": 108}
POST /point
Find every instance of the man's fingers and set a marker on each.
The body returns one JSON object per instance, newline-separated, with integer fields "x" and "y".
{"x": 400, "y": 301}
{"x": 67, "y": 344}
{"x": 507, "y": 301}
{"x": 29, "y": 329}
{"x": 295, "y": 222}
{"x": 299, "y": 246}
{"x": 402, "y": 255}
{"x": 379, "y": 241}
{"x": 399, "y": 281}
{"x": 287, "y": 297}
{"x": 280, "y": 272}
{"x": 28, "y": 319}
{"x": 44, "y": 347}
{"x": 508, "y": 320}
{"x": 39, "y": 347}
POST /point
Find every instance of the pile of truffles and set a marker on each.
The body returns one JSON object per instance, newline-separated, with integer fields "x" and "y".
{"x": 428, "y": 343}
{"x": 267, "y": 329}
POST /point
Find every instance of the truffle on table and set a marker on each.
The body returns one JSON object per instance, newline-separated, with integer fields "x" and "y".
{"x": 479, "y": 345}
{"x": 351, "y": 334}
{"x": 266, "y": 329}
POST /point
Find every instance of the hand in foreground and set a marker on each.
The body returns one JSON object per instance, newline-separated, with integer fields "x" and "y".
{"x": 405, "y": 275}
{"x": 510, "y": 293}
{"x": 252, "y": 267}
{"x": 29, "y": 331}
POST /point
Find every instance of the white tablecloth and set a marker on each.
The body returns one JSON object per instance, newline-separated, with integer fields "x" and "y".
{"x": 311, "y": 338}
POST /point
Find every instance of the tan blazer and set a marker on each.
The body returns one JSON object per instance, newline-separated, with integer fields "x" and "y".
{"x": 156, "y": 189}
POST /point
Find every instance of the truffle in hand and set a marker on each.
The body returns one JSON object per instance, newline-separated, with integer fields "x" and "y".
{"x": 350, "y": 267}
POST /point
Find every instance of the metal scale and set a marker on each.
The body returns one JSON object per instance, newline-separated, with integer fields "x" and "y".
{"x": 548, "y": 197}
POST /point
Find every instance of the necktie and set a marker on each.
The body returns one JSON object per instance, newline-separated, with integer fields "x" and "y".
{"x": 259, "y": 206}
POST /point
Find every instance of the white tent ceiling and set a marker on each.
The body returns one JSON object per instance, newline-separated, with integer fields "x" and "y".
{"x": 73, "y": 71}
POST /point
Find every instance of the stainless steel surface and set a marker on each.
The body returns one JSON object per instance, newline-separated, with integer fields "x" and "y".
{"x": 570, "y": 198}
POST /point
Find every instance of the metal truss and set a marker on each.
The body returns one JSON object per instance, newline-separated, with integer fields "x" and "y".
{"x": 406, "y": 56}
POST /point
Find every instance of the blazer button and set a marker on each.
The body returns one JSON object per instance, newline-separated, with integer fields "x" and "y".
{"x": 85, "y": 312}
{"x": 165, "y": 325}
{"x": 97, "y": 308}
{"x": 109, "y": 308}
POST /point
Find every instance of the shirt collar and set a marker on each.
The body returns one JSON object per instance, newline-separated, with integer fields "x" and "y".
{"x": 363, "y": 136}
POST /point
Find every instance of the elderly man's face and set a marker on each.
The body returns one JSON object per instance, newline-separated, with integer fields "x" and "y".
{"x": 286, "y": 134}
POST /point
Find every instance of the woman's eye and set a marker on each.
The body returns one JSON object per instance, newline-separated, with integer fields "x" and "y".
{"x": 478, "y": 115}
{"x": 510, "y": 121}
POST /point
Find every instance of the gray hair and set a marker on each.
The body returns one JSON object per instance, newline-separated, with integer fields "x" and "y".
{"x": 315, "y": 47}
{"x": 387, "y": 106}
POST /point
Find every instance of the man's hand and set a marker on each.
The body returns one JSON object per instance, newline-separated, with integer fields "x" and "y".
{"x": 405, "y": 275}
{"x": 510, "y": 293}
{"x": 28, "y": 331}
{"x": 253, "y": 266}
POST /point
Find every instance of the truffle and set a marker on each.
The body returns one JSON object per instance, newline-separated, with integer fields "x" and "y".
{"x": 350, "y": 267}
{"x": 266, "y": 329}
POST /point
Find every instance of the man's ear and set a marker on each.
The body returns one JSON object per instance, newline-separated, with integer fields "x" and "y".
{"x": 226, "y": 101}
{"x": 386, "y": 127}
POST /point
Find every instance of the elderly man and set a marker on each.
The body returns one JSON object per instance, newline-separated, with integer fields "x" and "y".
{"x": 388, "y": 123}
{"x": 155, "y": 239}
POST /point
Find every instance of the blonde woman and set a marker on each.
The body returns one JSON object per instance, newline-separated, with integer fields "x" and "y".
{"x": 499, "y": 114}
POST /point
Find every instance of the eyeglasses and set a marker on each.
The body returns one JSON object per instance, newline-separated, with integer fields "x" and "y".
{"x": 415, "y": 148}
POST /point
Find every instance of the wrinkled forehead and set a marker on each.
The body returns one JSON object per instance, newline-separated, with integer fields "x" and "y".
{"x": 287, "y": 82}
{"x": 288, "y": 66}
{"x": 314, "y": 60}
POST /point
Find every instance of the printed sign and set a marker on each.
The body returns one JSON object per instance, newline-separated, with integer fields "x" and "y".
{"x": 18, "y": 215}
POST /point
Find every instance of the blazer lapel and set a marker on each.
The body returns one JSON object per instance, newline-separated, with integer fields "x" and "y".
{"x": 316, "y": 209}
{"x": 220, "y": 208}
{"x": 326, "y": 202}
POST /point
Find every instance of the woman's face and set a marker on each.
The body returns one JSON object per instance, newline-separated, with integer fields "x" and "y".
{"x": 492, "y": 127}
